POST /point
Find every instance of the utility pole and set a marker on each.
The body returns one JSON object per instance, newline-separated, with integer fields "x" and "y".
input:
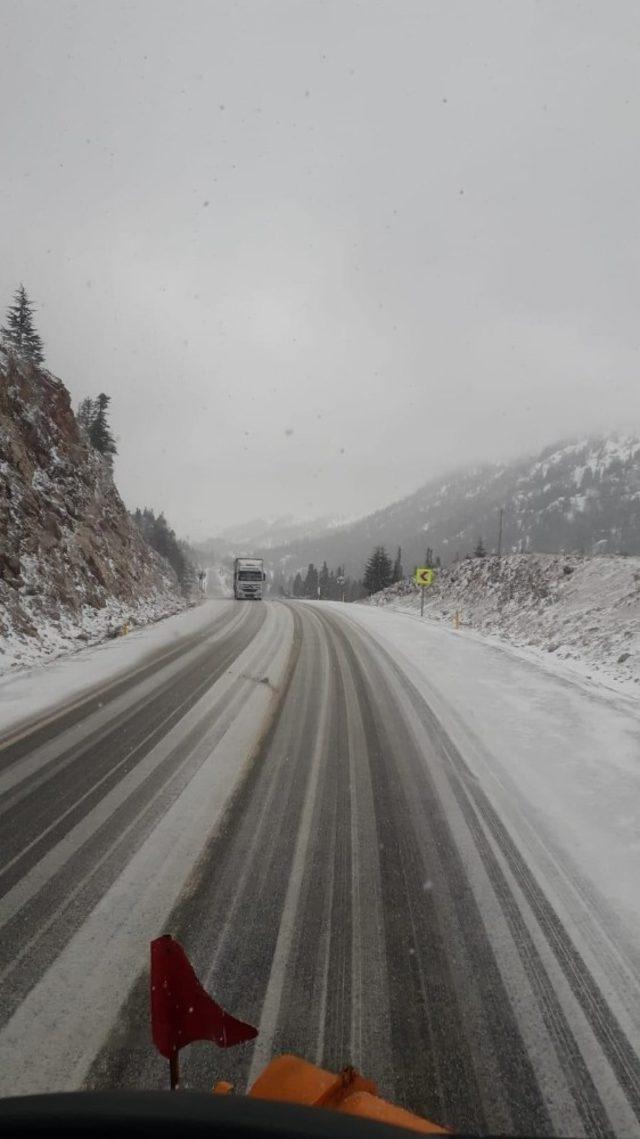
{"x": 500, "y": 533}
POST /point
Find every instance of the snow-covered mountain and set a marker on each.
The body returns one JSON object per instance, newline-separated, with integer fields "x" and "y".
{"x": 582, "y": 495}
{"x": 72, "y": 563}
{"x": 267, "y": 533}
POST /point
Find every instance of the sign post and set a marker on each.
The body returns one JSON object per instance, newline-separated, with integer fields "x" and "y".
{"x": 423, "y": 577}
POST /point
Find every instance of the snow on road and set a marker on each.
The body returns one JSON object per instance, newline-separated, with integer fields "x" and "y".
{"x": 36, "y": 691}
{"x": 579, "y": 614}
{"x": 431, "y": 808}
{"x": 212, "y": 744}
{"x": 559, "y": 757}
{"x": 68, "y": 632}
{"x": 395, "y": 889}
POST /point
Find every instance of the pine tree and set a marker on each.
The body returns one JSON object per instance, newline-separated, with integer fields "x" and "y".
{"x": 311, "y": 582}
{"x": 19, "y": 331}
{"x": 332, "y": 587}
{"x": 354, "y": 590}
{"x": 298, "y": 586}
{"x": 186, "y": 571}
{"x": 428, "y": 558}
{"x": 160, "y": 535}
{"x": 480, "y": 551}
{"x": 188, "y": 576}
{"x": 99, "y": 431}
{"x": 398, "y": 572}
{"x": 323, "y": 582}
{"x": 86, "y": 414}
{"x": 378, "y": 571}
{"x": 157, "y": 532}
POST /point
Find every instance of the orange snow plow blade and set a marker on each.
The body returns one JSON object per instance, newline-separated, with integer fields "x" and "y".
{"x": 292, "y": 1080}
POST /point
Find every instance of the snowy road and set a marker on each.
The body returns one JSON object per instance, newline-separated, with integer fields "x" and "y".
{"x": 387, "y": 877}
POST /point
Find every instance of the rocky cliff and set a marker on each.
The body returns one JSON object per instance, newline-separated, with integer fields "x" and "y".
{"x": 72, "y": 564}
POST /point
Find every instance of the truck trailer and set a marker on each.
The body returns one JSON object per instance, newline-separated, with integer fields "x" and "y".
{"x": 248, "y": 579}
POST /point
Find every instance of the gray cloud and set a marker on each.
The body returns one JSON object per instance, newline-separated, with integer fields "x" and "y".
{"x": 319, "y": 251}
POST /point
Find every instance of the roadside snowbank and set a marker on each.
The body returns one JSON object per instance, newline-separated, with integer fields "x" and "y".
{"x": 581, "y": 612}
{"x": 73, "y": 631}
{"x": 558, "y": 758}
{"x": 32, "y": 692}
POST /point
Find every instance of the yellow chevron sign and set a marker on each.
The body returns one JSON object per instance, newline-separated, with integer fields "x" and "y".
{"x": 424, "y": 575}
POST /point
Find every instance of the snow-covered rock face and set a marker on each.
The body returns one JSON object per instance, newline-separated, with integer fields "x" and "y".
{"x": 72, "y": 563}
{"x": 582, "y": 611}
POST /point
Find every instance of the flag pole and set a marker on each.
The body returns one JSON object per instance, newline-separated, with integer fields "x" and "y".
{"x": 174, "y": 1069}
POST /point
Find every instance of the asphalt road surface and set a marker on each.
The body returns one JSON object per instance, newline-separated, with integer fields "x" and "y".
{"x": 352, "y": 890}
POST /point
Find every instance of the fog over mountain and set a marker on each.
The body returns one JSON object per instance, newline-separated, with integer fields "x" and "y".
{"x": 583, "y": 495}
{"x": 318, "y": 253}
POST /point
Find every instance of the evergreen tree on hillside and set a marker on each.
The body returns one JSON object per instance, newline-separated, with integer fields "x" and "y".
{"x": 159, "y": 535}
{"x": 86, "y": 414}
{"x": 480, "y": 551}
{"x": 429, "y": 560}
{"x": 99, "y": 431}
{"x": 378, "y": 571}
{"x": 334, "y": 585}
{"x": 20, "y": 332}
{"x": 398, "y": 572}
{"x": 354, "y": 590}
{"x": 323, "y": 581}
{"x": 187, "y": 573}
{"x": 162, "y": 539}
{"x": 311, "y": 582}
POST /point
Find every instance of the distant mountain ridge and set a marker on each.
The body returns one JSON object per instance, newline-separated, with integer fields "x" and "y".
{"x": 580, "y": 495}
{"x": 266, "y": 533}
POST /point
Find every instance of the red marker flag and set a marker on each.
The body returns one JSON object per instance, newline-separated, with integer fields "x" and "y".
{"x": 181, "y": 1010}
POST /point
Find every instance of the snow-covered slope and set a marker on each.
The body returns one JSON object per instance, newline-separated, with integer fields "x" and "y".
{"x": 584, "y": 612}
{"x": 266, "y": 533}
{"x": 579, "y": 496}
{"x": 72, "y": 563}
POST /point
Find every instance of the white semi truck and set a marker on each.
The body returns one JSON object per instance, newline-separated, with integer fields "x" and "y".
{"x": 248, "y": 579}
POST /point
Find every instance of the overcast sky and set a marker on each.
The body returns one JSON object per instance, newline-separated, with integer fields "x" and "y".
{"x": 319, "y": 251}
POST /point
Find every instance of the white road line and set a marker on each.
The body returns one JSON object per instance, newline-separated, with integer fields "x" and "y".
{"x": 51, "y": 713}
{"x": 56, "y": 857}
{"x": 105, "y": 718}
{"x": 273, "y": 996}
{"x": 52, "y": 1039}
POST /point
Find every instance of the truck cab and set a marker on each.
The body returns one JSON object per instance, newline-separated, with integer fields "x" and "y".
{"x": 248, "y": 579}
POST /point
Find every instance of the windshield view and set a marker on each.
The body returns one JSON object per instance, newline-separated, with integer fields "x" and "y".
{"x": 320, "y": 565}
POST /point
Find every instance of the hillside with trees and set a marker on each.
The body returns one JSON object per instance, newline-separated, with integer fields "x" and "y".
{"x": 74, "y": 567}
{"x": 581, "y": 496}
